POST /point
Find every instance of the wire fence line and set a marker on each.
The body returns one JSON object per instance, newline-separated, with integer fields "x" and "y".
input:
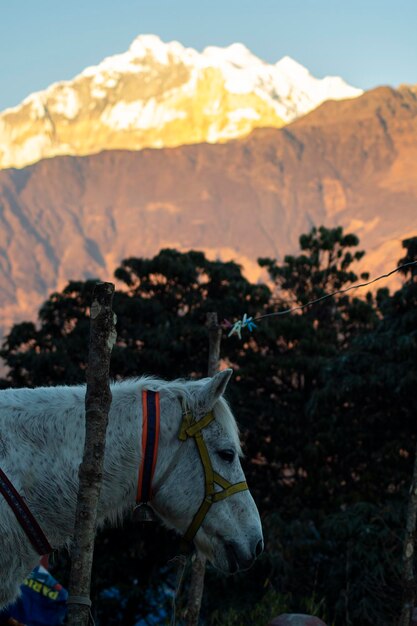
{"x": 334, "y": 293}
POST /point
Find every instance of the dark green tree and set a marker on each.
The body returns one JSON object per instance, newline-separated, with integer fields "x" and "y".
{"x": 365, "y": 401}
{"x": 287, "y": 363}
{"x": 368, "y": 397}
{"x": 336, "y": 439}
{"x": 54, "y": 351}
{"x": 161, "y": 309}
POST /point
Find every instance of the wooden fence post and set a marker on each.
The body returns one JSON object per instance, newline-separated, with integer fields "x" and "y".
{"x": 408, "y": 577}
{"x": 97, "y": 405}
{"x": 198, "y": 568}
{"x": 215, "y": 337}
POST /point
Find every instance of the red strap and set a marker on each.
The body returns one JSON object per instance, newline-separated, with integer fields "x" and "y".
{"x": 24, "y": 516}
{"x": 150, "y": 440}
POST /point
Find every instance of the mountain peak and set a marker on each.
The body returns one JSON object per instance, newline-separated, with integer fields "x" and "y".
{"x": 289, "y": 66}
{"x": 160, "y": 94}
{"x": 153, "y": 44}
{"x": 147, "y": 40}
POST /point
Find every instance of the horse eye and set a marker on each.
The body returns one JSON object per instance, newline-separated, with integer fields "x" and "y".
{"x": 226, "y": 455}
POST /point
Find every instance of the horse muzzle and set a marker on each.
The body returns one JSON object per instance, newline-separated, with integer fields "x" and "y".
{"x": 239, "y": 559}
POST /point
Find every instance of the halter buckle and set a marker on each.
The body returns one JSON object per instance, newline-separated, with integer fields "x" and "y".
{"x": 143, "y": 513}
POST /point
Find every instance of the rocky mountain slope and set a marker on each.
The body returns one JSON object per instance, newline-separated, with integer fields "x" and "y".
{"x": 158, "y": 95}
{"x": 351, "y": 163}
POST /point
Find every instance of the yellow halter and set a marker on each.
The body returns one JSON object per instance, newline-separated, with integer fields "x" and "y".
{"x": 192, "y": 429}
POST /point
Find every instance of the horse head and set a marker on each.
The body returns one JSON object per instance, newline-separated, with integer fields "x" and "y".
{"x": 200, "y": 488}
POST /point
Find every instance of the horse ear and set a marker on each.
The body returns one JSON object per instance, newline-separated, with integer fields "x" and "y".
{"x": 216, "y": 387}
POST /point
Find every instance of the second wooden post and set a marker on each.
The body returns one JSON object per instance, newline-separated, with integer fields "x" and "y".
{"x": 195, "y": 594}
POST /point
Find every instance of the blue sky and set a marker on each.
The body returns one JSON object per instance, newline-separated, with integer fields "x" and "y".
{"x": 367, "y": 42}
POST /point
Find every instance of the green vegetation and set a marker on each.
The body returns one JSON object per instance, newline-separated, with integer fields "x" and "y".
{"x": 327, "y": 404}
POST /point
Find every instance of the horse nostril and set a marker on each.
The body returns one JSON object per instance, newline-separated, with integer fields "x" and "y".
{"x": 259, "y": 548}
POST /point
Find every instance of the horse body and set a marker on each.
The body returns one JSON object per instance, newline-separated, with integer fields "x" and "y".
{"x": 41, "y": 445}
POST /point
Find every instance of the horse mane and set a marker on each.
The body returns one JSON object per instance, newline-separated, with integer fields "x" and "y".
{"x": 187, "y": 391}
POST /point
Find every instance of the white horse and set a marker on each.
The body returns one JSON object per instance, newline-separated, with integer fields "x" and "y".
{"x": 41, "y": 443}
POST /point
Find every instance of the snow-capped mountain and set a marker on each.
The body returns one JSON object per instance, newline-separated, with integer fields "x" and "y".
{"x": 159, "y": 95}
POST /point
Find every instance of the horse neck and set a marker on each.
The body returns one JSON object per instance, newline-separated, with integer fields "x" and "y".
{"x": 122, "y": 454}
{"x": 124, "y": 449}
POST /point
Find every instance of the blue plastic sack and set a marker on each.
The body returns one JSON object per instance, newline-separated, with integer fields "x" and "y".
{"x": 42, "y": 603}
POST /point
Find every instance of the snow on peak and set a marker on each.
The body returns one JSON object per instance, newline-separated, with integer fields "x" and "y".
{"x": 236, "y": 54}
{"x": 147, "y": 41}
{"x": 243, "y": 73}
{"x": 152, "y": 44}
{"x": 304, "y": 90}
{"x": 140, "y": 48}
{"x": 289, "y": 66}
